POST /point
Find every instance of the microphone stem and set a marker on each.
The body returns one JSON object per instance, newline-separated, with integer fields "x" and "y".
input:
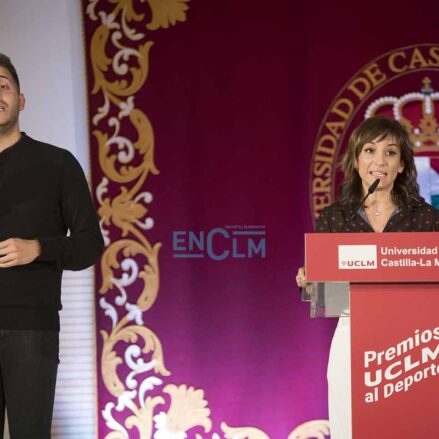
{"x": 370, "y": 191}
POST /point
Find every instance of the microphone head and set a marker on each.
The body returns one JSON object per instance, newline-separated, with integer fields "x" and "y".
{"x": 373, "y": 186}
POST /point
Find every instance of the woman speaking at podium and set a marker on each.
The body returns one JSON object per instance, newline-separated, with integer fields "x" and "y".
{"x": 379, "y": 194}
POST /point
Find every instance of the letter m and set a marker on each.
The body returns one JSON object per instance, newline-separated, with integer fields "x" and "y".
{"x": 259, "y": 248}
{"x": 428, "y": 354}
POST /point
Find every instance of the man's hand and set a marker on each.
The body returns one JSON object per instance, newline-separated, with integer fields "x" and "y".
{"x": 16, "y": 251}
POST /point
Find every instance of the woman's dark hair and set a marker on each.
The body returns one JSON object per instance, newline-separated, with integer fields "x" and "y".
{"x": 6, "y": 63}
{"x": 379, "y": 128}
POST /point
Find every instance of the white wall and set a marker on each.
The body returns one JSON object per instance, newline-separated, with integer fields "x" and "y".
{"x": 44, "y": 40}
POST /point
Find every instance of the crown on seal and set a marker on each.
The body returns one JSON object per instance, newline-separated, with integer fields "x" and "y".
{"x": 419, "y": 120}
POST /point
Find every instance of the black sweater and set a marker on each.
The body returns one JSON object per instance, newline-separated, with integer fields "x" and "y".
{"x": 43, "y": 193}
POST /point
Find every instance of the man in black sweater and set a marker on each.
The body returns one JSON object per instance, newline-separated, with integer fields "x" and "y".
{"x": 43, "y": 194}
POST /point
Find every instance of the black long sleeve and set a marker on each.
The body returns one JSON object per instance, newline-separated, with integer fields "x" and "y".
{"x": 84, "y": 245}
{"x": 43, "y": 195}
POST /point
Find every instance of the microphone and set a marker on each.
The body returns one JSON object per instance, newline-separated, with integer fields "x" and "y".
{"x": 371, "y": 190}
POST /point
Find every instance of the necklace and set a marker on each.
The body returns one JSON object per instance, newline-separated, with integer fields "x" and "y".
{"x": 377, "y": 212}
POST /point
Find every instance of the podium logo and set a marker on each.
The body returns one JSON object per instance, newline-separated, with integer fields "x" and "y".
{"x": 357, "y": 257}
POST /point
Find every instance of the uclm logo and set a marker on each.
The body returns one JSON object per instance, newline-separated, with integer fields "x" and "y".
{"x": 357, "y": 257}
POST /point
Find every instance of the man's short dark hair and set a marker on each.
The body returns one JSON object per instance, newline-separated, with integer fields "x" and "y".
{"x": 6, "y": 63}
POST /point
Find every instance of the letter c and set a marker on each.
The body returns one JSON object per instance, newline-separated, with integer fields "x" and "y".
{"x": 210, "y": 252}
{"x": 392, "y": 64}
{"x": 388, "y": 373}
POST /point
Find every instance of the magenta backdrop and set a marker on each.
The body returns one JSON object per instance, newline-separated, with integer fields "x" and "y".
{"x": 235, "y": 95}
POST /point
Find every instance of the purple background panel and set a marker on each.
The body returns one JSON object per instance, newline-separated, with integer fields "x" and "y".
{"x": 236, "y": 94}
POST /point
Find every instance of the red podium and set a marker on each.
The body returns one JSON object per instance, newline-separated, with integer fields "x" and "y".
{"x": 389, "y": 282}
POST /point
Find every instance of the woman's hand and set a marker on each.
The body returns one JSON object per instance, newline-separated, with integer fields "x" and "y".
{"x": 308, "y": 290}
{"x": 301, "y": 278}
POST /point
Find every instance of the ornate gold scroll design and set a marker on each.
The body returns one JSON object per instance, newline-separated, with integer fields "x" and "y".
{"x": 119, "y": 54}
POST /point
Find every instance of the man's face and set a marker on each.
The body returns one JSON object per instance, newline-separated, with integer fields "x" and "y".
{"x": 11, "y": 103}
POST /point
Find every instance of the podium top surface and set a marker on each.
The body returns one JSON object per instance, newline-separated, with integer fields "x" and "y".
{"x": 372, "y": 257}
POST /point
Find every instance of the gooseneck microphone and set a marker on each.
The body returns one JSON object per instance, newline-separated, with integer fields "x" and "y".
{"x": 370, "y": 191}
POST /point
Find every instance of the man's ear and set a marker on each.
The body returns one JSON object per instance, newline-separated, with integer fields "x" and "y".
{"x": 21, "y": 101}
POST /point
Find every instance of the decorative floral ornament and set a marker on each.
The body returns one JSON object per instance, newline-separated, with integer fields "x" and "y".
{"x": 317, "y": 429}
{"x": 188, "y": 408}
{"x": 167, "y": 12}
{"x": 141, "y": 404}
{"x": 243, "y": 432}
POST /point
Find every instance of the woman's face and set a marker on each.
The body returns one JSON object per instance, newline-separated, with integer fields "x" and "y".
{"x": 379, "y": 159}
